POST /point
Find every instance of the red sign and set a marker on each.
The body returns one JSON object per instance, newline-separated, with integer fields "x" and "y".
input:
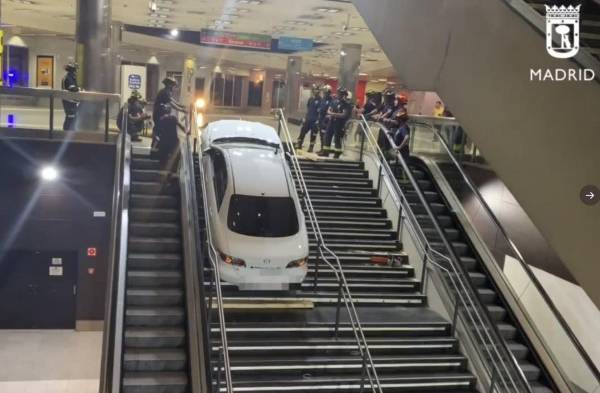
{"x": 240, "y": 40}
{"x": 91, "y": 252}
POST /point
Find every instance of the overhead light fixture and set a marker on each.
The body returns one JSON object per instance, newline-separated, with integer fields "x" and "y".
{"x": 49, "y": 173}
{"x": 343, "y": 53}
{"x": 152, "y": 6}
{"x": 174, "y": 33}
{"x": 328, "y": 9}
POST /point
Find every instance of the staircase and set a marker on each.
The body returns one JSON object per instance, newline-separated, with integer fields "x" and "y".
{"x": 479, "y": 277}
{"x": 298, "y": 350}
{"x": 155, "y": 356}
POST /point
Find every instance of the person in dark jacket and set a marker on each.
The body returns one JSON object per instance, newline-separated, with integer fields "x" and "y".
{"x": 311, "y": 120}
{"x": 163, "y": 104}
{"x": 69, "y": 83}
{"x": 135, "y": 116}
{"x": 168, "y": 143}
{"x": 339, "y": 112}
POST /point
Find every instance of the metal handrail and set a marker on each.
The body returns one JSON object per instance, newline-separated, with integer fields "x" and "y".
{"x": 112, "y": 342}
{"x": 52, "y": 95}
{"x": 471, "y": 302}
{"x": 344, "y": 291}
{"x": 576, "y": 343}
{"x": 212, "y": 256}
{"x": 193, "y": 255}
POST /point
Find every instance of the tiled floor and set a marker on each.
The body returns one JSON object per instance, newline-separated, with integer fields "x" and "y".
{"x": 49, "y": 361}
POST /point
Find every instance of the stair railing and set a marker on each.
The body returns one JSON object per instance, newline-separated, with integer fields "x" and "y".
{"x": 368, "y": 367}
{"x": 223, "y": 362}
{"x": 114, "y": 313}
{"x": 585, "y": 360}
{"x": 194, "y": 277}
{"x": 503, "y": 370}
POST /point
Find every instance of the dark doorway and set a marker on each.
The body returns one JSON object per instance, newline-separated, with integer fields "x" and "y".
{"x": 37, "y": 290}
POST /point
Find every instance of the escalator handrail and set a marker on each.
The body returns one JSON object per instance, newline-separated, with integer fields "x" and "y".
{"x": 212, "y": 256}
{"x": 475, "y": 304}
{"x": 192, "y": 259}
{"x": 112, "y": 341}
{"x": 473, "y": 188}
{"x": 359, "y": 335}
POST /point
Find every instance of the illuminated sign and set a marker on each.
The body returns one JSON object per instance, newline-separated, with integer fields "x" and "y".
{"x": 295, "y": 44}
{"x": 239, "y": 40}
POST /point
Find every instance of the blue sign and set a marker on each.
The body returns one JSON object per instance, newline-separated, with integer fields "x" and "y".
{"x": 295, "y": 44}
{"x": 135, "y": 81}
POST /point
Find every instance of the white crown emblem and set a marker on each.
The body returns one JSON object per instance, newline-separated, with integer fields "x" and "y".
{"x": 562, "y": 11}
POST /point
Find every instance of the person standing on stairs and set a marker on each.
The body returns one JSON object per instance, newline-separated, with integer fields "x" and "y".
{"x": 163, "y": 103}
{"x": 326, "y": 101}
{"x": 311, "y": 120}
{"x": 339, "y": 113}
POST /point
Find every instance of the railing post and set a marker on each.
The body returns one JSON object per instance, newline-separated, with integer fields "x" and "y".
{"x": 106, "y": 116}
{"x": 424, "y": 271}
{"x": 317, "y": 262}
{"x": 362, "y": 143}
{"x": 364, "y": 372}
{"x": 399, "y": 228}
{"x": 379, "y": 176}
{"x": 218, "y": 381}
{"x": 455, "y": 316}
{"x": 493, "y": 381}
{"x": 337, "y": 311}
{"x": 51, "y": 128}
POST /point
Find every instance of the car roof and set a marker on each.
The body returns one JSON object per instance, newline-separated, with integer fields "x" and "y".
{"x": 257, "y": 171}
{"x": 241, "y": 129}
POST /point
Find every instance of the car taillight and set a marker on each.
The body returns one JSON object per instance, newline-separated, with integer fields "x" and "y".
{"x": 232, "y": 260}
{"x": 298, "y": 263}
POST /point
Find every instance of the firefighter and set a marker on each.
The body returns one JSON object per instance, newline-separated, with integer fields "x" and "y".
{"x": 311, "y": 120}
{"x": 339, "y": 113}
{"x": 69, "y": 83}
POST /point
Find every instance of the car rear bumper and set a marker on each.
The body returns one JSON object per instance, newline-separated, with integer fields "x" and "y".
{"x": 261, "y": 279}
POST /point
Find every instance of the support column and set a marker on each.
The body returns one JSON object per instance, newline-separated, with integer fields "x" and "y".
{"x": 93, "y": 39}
{"x": 349, "y": 67}
{"x": 292, "y": 84}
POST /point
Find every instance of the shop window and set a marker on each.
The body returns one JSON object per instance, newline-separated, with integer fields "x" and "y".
{"x": 255, "y": 91}
{"x": 227, "y": 90}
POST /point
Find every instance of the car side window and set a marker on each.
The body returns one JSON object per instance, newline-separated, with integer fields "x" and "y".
{"x": 220, "y": 175}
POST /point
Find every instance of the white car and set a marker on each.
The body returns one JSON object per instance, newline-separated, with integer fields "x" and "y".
{"x": 256, "y": 221}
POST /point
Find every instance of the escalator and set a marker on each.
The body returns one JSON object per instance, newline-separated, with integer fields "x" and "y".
{"x": 155, "y": 338}
{"x": 479, "y": 277}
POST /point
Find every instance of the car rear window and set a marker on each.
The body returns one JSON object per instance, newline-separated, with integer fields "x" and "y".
{"x": 262, "y": 216}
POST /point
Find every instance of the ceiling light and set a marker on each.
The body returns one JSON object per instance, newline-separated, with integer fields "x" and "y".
{"x": 343, "y": 53}
{"x": 49, "y": 173}
{"x": 243, "y": 10}
{"x": 152, "y": 6}
{"x": 174, "y": 33}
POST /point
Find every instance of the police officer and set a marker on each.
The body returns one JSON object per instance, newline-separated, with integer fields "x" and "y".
{"x": 311, "y": 120}
{"x": 392, "y": 122}
{"x": 326, "y": 102}
{"x": 339, "y": 113}
{"x": 163, "y": 104}
{"x": 69, "y": 83}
